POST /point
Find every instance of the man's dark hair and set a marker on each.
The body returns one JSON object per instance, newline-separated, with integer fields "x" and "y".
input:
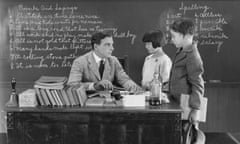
{"x": 183, "y": 26}
{"x": 155, "y": 37}
{"x": 97, "y": 37}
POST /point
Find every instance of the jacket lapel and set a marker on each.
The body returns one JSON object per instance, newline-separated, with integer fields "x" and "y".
{"x": 180, "y": 56}
{"x": 93, "y": 66}
{"x": 182, "y": 53}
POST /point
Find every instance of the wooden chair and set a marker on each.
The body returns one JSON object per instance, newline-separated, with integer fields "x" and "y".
{"x": 124, "y": 62}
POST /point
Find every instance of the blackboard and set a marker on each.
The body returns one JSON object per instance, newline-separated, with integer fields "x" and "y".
{"x": 43, "y": 37}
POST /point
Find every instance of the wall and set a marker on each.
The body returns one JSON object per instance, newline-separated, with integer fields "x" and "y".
{"x": 223, "y": 107}
{"x": 42, "y": 38}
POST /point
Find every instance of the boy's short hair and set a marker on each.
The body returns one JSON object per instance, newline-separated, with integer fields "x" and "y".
{"x": 155, "y": 37}
{"x": 183, "y": 26}
{"x": 97, "y": 37}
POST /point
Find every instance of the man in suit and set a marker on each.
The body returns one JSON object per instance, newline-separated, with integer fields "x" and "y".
{"x": 97, "y": 69}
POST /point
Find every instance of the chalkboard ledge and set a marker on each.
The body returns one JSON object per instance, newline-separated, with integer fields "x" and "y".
{"x": 221, "y": 84}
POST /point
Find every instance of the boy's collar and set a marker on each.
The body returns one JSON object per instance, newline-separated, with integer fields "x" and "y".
{"x": 189, "y": 48}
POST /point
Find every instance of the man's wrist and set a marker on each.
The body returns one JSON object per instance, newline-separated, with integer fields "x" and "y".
{"x": 92, "y": 86}
{"x": 194, "y": 110}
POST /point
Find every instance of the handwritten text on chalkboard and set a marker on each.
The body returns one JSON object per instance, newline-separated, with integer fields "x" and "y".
{"x": 51, "y": 35}
{"x": 209, "y": 24}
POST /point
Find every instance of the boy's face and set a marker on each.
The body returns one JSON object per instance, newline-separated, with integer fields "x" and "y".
{"x": 177, "y": 38}
{"x": 105, "y": 48}
{"x": 149, "y": 47}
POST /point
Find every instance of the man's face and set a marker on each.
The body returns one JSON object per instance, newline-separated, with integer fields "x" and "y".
{"x": 177, "y": 38}
{"x": 105, "y": 48}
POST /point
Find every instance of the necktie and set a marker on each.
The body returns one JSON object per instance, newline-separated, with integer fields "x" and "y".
{"x": 101, "y": 68}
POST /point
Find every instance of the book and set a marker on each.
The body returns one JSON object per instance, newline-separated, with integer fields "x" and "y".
{"x": 48, "y": 86}
{"x": 65, "y": 96}
{"x": 82, "y": 96}
{"x": 95, "y": 101}
{"x": 27, "y": 98}
{"x": 39, "y": 97}
{"x": 56, "y": 98}
{"x": 51, "y": 80}
{"x": 75, "y": 95}
{"x": 201, "y": 113}
{"x": 58, "y": 93}
{"x": 70, "y": 95}
{"x": 50, "y": 97}
{"x": 45, "y": 97}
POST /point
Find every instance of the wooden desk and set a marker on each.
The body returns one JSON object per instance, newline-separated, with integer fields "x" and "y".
{"x": 94, "y": 125}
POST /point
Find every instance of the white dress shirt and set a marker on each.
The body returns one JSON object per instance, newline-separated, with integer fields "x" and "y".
{"x": 97, "y": 59}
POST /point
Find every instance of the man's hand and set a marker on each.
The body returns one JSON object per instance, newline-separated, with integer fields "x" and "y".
{"x": 132, "y": 87}
{"x": 147, "y": 86}
{"x": 103, "y": 85}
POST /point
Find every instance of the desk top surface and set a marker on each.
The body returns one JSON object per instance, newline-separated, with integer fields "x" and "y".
{"x": 164, "y": 108}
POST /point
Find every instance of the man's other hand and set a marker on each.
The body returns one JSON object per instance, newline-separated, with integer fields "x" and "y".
{"x": 132, "y": 87}
{"x": 103, "y": 85}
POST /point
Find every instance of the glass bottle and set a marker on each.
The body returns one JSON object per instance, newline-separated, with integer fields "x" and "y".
{"x": 156, "y": 87}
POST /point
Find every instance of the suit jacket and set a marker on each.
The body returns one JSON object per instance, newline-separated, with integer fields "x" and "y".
{"x": 85, "y": 71}
{"x": 186, "y": 76}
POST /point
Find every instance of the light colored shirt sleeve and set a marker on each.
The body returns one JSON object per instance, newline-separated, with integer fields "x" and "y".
{"x": 91, "y": 86}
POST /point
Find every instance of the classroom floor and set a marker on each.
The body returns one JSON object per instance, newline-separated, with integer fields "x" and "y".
{"x": 222, "y": 138}
{"x": 236, "y": 136}
{"x": 211, "y": 138}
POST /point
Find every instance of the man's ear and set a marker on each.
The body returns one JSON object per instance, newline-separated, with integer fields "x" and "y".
{"x": 95, "y": 46}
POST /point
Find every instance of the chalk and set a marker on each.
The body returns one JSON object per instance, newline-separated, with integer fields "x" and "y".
{"x": 214, "y": 81}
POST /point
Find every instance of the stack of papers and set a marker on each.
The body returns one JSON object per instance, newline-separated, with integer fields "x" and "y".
{"x": 135, "y": 100}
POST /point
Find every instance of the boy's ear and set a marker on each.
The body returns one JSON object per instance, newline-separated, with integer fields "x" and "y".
{"x": 183, "y": 35}
{"x": 164, "y": 41}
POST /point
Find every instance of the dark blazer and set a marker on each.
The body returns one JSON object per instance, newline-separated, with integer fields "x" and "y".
{"x": 85, "y": 71}
{"x": 186, "y": 76}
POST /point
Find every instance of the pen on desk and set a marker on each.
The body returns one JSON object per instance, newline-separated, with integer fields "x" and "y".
{"x": 118, "y": 88}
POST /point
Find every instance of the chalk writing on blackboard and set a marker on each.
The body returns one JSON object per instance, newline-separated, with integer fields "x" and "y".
{"x": 51, "y": 35}
{"x": 209, "y": 23}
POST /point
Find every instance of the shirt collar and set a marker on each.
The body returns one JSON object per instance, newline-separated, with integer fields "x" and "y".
{"x": 151, "y": 56}
{"x": 189, "y": 48}
{"x": 97, "y": 58}
{"x": 179, "y": 50}
{"x": 158, "y": 49}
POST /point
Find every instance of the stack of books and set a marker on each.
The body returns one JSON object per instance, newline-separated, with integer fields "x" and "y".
{"x": 53, "y": 91}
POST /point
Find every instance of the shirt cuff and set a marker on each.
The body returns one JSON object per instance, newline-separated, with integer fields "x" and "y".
{"x": 91, "y": 86}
